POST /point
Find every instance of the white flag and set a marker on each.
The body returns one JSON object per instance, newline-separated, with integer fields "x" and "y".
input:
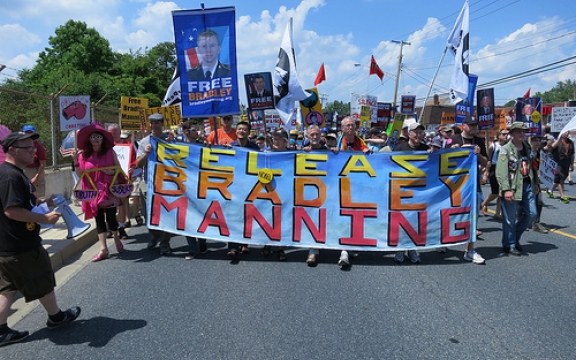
{"x": 458, "y": 44}
{"x": 287, "y": 90}
{"x": 173, "y": 93}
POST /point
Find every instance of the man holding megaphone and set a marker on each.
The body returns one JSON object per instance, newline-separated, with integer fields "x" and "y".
{"x": 24, "y": 263}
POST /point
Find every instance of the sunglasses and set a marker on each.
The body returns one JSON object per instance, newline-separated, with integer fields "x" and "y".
{"x": 96, "y": 137}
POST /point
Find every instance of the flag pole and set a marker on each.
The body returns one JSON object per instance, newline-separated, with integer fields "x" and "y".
{"x": 432, "y": 83}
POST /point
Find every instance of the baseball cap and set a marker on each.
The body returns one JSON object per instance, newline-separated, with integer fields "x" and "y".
{"x": 469, "y": 120}
{"x": 415, "y": 126}
{"x": 331, "y": 135}
{"x": 12, "y": 138}
{"x": 282, "y": 133}
{"x": 28, "y": 127}
{"x": 156, "y": 117}
{"x": 125, "y": 134}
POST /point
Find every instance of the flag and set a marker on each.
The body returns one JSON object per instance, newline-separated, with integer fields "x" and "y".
{"x": 321, "y": 75}
{"x": 287, "y": 90}
{"x": 458, "y": 44}
{"x": 173, "y": 94}
{"x": 375, "y": 69}
{"x": 527, "y": 95}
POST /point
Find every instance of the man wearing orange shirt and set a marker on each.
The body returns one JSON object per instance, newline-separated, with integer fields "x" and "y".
{"x": 226, "y": 135}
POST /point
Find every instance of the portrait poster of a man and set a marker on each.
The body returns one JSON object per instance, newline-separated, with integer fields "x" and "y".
{"x": 206, "y": 50}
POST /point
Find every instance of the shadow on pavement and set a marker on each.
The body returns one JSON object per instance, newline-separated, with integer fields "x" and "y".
{"x": 96, "y": 332}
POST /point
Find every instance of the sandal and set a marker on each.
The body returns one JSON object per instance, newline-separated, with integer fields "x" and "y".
{"x": 101, "y": 256}
{"x": 139, "y": 220}
{"x": 282, "y": 255}
{"x": 244, "y": 249}
{"x": 119, "y": 248}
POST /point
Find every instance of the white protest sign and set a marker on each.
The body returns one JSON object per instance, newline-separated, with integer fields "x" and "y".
{"x": 560, "y": 117}
{"x": 74, "y": 112}
{"x": 123, "y": 153}
{"x": 547, "y": 169}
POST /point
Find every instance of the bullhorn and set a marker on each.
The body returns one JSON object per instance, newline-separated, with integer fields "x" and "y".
{"x": 75, "y": 226}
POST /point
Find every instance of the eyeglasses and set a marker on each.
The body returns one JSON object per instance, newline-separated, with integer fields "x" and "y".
{"x": 503, "y": 133}
{"x": 96, "y": 137}
{"x": 27, "y": 148}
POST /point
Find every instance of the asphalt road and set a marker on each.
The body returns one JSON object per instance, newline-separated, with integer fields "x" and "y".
{"x": 139, "y": 305}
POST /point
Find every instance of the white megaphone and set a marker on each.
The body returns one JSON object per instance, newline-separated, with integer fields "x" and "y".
{"x": 75, "y": 226}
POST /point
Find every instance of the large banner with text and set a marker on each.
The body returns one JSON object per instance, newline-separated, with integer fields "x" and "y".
{"x": 206, "y": 49}
{"x": 380, "y": 202}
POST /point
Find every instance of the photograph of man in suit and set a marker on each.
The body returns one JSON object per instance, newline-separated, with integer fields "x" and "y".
{"x": 485, "y": 106}
{"x": 209, "y": 51}
{"x": 260, "y": 98}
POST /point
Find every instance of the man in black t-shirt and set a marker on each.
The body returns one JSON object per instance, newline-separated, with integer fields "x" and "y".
{"x": 414, "y": 143}
{"x": 24, "y": 263}
{"x": 468, "y": 138}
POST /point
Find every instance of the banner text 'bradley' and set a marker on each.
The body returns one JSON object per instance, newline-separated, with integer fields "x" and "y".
{"x": 311, "y": 181}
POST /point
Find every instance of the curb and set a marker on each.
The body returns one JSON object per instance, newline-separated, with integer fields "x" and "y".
{"x": 59, "y": 247}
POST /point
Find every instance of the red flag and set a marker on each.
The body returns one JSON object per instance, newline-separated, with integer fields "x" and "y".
{"x": 375, "y": 69}
{"x": 321, "y": 75}
{"x": 527, "y": 95}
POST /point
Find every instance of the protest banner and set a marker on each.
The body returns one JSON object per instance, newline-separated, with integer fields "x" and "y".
{"x": 258, "y": 91}
{"x": 130, "y": 109}
{"x": 206, "y": 50}
{"x": 74, "y": 112}
{"x": 529, "y": 111}
{"x": 560, "y": 117}
{"x": 547, "y": 169}
{"x": 382, "y": 202}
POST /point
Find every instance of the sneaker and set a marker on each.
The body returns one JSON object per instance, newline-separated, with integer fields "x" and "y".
{"x": 550, "y": 194}
{"x": 12, "y": 337}
{"x": 474, "y": 257}
{"x": 122, "y": 233}
{"x": 69, "y": 316}
{"x": 512, "y": 251}
{"x": 399, "y": 257}
{"x": 539, "y": 228}
{"x": 311, "y": 260}
{"x": 190, "y": 256}
{"x": 165, "y": 250}
{"x": 152, "y": 243}
{"x": 565, "y": 200}
{"x": 343, "y": 261}
{"x": 414, "y": 257}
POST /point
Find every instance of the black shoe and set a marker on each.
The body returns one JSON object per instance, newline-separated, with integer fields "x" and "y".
{"x": 514, "y": 251}
{"x": 69, "y": 316}
{"x": 203, "y": 247}
{"x": 12, "y": 337}
{"x": 122, "y": 233}
{"x": 519, "y": 247}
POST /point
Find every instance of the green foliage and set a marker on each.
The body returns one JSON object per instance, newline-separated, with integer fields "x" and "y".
{"x": 79, "y": 58}
{"x": 340, "y": 107}
{"x": 563, "y": 91}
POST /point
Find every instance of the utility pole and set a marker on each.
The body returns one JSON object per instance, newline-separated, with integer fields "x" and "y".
{"x": 402, "y": 43}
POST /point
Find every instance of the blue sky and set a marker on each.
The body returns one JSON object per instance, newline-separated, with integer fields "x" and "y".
{"x": 507, "y": 37}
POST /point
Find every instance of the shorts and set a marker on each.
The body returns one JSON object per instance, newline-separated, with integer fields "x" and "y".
{"x": 137, "y": 182}
{"x": 494, "y": 186}
{"x": 561, "y": 174}
{"x": 30, "y": 273}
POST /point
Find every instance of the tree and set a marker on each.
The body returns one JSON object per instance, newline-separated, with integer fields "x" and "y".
{"x": 563, "y": 91}
{"x": 339, "y": 107}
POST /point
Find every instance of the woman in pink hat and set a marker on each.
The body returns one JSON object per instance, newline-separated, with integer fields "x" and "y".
{"x": 97, "y": 152}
